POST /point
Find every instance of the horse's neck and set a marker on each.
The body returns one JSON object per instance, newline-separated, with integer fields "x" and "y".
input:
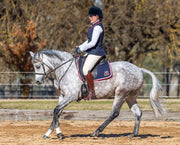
{"x": 57, "y": 61}
{"x": 59, "y": 65}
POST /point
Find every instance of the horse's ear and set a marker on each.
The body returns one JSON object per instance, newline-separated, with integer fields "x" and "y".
{"x": 31, "y": 53}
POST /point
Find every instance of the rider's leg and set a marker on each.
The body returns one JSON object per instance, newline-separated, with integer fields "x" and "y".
{"x": 89, "y": 63}
{"x": 90, "y": 82}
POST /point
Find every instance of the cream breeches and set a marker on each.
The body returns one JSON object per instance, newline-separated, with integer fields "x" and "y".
{"x": 90, "y": 62}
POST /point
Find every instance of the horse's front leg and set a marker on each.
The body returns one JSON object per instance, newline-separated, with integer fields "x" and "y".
{"x": 54, "y": 124}
{"x": 56, "y": 114}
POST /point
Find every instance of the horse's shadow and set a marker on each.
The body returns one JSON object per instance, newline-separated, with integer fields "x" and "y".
{"x": 141, "y": 136}
{"x": 126, "y": 135}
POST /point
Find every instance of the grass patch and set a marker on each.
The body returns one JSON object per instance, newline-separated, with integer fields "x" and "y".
{"x": 172, "y": 105}
{"x": 27, "y": 104}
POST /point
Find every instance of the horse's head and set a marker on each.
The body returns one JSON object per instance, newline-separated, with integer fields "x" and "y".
{"x": 40, "y": 67}
{"x": 47, "y": 61}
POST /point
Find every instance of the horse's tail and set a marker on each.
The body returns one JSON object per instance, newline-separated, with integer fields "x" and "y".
{"x": 154, "y": 94}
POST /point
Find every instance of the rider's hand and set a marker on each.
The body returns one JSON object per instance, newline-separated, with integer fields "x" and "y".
{"x": 77, "y": 51}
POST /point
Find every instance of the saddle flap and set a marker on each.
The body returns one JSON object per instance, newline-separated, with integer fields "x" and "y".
{"x": 100, "y": 72}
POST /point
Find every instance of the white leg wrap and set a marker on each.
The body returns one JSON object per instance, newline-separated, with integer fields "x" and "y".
{"x": 48, "y": 132}
{"x": 136, "y": 110}
{"x": 58, "y": 130}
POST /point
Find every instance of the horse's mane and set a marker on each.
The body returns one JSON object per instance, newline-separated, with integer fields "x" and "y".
{"x": 55, "y": 53}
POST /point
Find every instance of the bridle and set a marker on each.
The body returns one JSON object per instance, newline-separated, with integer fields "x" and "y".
{"x": 52, "y": 70}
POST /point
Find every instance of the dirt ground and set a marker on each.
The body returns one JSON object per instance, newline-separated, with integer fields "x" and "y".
{"x": 78, "y": 133}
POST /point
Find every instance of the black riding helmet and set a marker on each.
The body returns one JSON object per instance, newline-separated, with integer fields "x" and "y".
{"x": 95, "y": 11}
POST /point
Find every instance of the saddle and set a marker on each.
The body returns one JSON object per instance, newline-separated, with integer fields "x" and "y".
{"x": 101, "y": 71}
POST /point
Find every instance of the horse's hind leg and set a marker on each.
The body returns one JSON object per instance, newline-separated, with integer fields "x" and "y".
{"x": 115, "y": 112}
{"x": 132, "y": 103}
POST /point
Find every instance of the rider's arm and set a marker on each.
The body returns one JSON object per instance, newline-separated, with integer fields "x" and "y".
{"x": 84, "y": 44}
{"x": 95, "y": 36}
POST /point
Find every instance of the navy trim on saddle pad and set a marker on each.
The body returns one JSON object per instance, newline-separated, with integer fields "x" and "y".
{"x": 102, "y": 71}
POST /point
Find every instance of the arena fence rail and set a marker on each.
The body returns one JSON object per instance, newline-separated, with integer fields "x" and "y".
{"x": 21, "y": 85}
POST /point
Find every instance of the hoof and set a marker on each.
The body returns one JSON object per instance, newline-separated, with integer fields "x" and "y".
{"x": 59, "y": 135}
{"x": 45, "y": 136}
{"x": 95, "y": 134}
{"x": 131, "y": 135}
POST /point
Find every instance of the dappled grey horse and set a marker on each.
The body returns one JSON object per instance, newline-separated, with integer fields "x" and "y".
{"x": 124, "y": 85}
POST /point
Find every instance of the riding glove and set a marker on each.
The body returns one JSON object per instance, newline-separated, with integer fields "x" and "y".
{"x": 77, "y": 50}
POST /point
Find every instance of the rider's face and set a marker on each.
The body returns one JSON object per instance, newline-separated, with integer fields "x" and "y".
{"x": 93, "y": 18}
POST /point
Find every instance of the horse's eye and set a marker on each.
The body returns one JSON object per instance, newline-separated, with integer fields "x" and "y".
{"x": 38, "y": 66}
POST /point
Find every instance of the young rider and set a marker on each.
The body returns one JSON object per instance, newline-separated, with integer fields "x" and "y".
{"x": 93, "y": 47}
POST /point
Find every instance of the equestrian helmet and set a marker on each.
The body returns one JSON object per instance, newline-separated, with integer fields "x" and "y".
{"x": 95, "y": 11}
